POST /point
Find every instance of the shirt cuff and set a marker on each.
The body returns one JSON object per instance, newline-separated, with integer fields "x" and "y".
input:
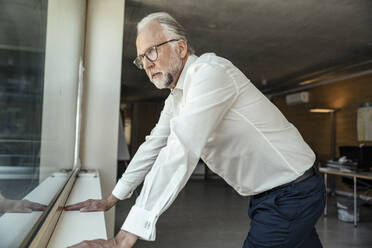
{"x": 141, "y": 223}
{"x": 122, "y": 190}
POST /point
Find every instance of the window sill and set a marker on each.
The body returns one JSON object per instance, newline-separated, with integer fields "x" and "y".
{"x": 73, "y": 226}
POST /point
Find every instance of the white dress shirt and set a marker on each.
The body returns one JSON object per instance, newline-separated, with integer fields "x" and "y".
{"x": 214, "y": 113}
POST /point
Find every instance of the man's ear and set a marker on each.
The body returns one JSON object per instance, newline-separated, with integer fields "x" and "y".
{"x": 182, "y": 48}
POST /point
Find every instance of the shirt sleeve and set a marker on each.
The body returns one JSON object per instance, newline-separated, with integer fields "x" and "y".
{"x": 145, "y": 156}
{"x": 210, "y": 93}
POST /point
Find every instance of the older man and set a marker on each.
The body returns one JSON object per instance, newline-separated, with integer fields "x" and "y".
{"x": 215, "y": 113}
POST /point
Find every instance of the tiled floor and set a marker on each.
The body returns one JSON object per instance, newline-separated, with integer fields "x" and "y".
{"x": 212, "y": 215}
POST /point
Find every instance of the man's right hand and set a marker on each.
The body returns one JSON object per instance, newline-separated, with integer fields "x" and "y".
{"x": 92, "y": 205}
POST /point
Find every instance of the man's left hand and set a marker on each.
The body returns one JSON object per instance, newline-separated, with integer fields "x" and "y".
{"x": 123, "y": 240}
{"x": 101, "y": 243}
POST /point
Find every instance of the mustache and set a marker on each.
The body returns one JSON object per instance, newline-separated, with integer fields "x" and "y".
{"x": 152, "y": 72}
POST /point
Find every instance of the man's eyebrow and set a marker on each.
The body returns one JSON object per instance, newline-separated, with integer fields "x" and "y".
{"x": 146, "y": 50}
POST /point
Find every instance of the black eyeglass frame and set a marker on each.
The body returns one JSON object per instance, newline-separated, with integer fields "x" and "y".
{"x": 138, "y": 61}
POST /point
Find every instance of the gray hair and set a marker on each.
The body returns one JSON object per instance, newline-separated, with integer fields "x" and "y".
{"x": 172, "y": 29}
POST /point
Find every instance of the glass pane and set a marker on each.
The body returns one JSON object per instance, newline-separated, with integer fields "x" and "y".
{"x": 40, "y": 54}
{"x": 22, "y": 48}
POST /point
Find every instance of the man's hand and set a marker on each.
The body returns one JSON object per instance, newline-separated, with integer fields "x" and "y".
{"x": 122, "y": 240}
{"x": 97, "y": 243}
{"x": 90, "y": 206}
{"x": 93, "y": 205}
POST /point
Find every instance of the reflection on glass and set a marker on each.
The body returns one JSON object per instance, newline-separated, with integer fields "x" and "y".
{"x": 19, "y": 206}
{"x": 22, "y": 46}
{"x": 22, "y": 53}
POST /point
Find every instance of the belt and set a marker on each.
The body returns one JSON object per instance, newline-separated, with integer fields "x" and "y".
{"x": 310, "y": 172}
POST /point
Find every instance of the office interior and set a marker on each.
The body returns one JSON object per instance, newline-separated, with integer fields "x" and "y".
{"x": 73, "y": 102}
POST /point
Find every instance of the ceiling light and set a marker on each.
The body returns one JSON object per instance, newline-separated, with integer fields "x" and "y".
{"x": 308, "y": 82}
{"x": 322, "y": 110}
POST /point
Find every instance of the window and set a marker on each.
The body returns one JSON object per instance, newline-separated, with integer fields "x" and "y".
{"x": 41, "y": 46}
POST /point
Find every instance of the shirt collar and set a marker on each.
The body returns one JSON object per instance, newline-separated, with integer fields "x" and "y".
{"x": 190, "y": 60}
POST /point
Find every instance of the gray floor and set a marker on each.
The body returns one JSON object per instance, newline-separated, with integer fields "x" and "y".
{"x": 212, "y": 215}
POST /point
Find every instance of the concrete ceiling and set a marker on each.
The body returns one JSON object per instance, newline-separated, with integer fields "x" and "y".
{"x": 273, "y": 42}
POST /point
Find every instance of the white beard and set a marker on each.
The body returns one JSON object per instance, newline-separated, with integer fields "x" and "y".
{"x": 168, "y": 75}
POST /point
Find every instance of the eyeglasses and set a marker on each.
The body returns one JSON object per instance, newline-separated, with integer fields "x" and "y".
{"x": 151, "y": 54}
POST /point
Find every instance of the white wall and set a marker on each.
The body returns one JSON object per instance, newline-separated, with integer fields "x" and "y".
{"x": 64, "y": 47}
{"x": 103, "y": 54}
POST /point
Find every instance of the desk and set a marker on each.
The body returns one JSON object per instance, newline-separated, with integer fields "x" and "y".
{"x": 354, "y": 175}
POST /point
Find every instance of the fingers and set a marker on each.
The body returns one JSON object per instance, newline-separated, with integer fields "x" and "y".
{"x": 77, "y": 206}
{"x": 94, "y": 206}
{"x": 38, "y": 207}
{"x": 91, "y": 243}
{"x": 87, "y": 206}
{"x": 79, "y": 245}
{"x": 87, "y": 209}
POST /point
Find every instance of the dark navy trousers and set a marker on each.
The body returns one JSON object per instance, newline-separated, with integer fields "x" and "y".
{"x": 286, "y": 217}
